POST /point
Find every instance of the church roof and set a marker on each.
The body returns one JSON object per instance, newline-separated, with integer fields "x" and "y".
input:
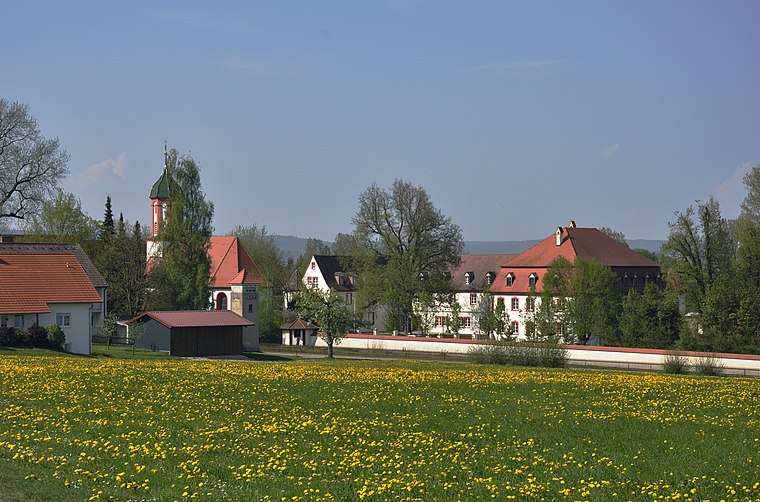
{"x": 231, "y": 263}
{"x": 163, "y": 188}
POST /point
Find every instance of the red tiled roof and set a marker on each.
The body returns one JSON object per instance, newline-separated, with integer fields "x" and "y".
{"x": 585, "y": 242}
{"x": 29, "y": 282}
{"x": 195, "y": 318}
{"x": 231, "y": 263}
{"x": 575, "y": 242}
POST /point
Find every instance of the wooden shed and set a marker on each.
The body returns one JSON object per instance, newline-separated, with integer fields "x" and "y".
{"x": 190, "y": 333}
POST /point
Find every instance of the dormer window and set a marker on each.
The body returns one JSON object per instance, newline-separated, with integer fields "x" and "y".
{"x": 532, "y": 280}
{"x": 489, "y": 278}
{"x": 468, "y": 276}
{"x": 510, "y": 279}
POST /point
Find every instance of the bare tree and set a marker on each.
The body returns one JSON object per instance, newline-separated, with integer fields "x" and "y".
{"x": 30, "y": 165}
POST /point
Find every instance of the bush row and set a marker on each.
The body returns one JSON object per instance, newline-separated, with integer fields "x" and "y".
{"x": 675, "y": 363}
{"x": 545, "y": 353}
{"x": 51, "y": 337}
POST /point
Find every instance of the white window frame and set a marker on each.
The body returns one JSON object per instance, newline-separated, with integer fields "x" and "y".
{"x": 63, "y": 320}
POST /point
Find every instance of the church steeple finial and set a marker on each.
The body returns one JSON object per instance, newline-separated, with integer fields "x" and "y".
{"x": 166, "y": 157}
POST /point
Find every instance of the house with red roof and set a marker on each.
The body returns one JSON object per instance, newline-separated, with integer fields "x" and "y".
{"x": 525, "y": 272}
{"x": 44, "y": 284}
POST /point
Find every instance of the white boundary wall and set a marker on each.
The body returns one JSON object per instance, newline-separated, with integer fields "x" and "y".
{"x": 584, "y": 356}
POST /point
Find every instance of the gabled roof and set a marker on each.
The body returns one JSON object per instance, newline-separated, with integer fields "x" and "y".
{"x": 331, "y": 265}
{"x": 54, "y": 248}
{"x": 231, "y": 263}
{"x": 30, "y": 281}
{"x": 194, "y": 318}
{"x": 479, "y": 265}
{"x": 584, "y": 242}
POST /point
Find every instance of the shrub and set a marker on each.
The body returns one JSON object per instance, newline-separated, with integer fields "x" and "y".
{"x": 36, "y": 336}
{"x": 675, "y": 364}
{"x": 546, "y": 353}
{"x": 491, "y": 353}
{"x": 57, "y": 336}
{"x": 709, "y": 365}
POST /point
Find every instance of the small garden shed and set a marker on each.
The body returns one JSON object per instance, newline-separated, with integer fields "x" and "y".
{"x": 191, "y": 333}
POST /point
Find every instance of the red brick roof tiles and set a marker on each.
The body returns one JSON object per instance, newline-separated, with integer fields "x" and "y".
{"x": 29, "y": 282}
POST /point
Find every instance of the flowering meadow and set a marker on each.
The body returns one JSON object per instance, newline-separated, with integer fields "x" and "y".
{"x": 97, "y": 429}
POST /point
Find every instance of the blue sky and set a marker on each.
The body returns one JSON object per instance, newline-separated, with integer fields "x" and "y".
{"x": 515, "y": 116}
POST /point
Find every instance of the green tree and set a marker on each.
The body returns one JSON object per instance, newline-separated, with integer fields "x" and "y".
{"x": 31, "y": 166}
{"x": 329, "y": 311}
{"x": 453, "y": 321}
{"x": 107, "y": 226}
{"x": 651, "y": 319}
{"x": 751, "y": 203}
{"x": 590, "y": 298}
{"x": 62, "y": 219}
{"x": 406, "y": 247}
{"x": 699, "y": 249}
{"x": 179, "y": 281}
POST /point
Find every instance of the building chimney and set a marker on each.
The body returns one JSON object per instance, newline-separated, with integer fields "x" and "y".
{"x": 558, "y": 235}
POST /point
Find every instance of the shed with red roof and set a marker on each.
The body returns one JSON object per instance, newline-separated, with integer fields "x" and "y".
{"x": 192, "y": 333}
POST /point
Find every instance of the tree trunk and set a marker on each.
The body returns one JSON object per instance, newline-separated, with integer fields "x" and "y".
{"x": 330, "y": 349}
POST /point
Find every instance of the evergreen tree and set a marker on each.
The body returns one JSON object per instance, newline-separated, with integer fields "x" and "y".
{"x": 107, "y": 227}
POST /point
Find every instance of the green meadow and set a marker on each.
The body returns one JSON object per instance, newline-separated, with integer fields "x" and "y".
{"x": 77, "y": 428}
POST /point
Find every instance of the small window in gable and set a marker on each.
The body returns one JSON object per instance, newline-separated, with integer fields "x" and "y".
{"x": 313, "y": 265}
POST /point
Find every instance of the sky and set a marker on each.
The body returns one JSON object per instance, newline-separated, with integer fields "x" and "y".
{"x": 516, "y": 117}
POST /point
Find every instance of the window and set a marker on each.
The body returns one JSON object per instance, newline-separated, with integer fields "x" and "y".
{"x": 467, "y": 278}
{"x": 530, "y": 328}
{"x": 510, "y": 279}
{"x": 18, "y": 321}
{"x": 635, "y": 281}
{"x": 465, "y": 322}
{"x": 440, "y": 321}
{"x": 63, "y": 320}
{"x": 530, "y": 304}
{"x": 532, "y": 280}
{"x": 312, "y": 282}
{"x": 473, "y": 298}
{"x": 500, "y": 302}
{"x": 515, "y": 304}
{"x": 560, "y": 303}
{"x": 349, "y": 298}
{"x": 250, "y": 308}
{"x": 514, "y": 327}
{"x": 489, "y": 278}
{"x": 313, "y": 265}
{"x": 560, "y": 328}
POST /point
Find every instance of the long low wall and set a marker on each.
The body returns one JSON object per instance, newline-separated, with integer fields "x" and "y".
{"x": 578, "y": 355}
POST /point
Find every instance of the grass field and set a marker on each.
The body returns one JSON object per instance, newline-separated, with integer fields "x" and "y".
{"x": 74, "y": 428}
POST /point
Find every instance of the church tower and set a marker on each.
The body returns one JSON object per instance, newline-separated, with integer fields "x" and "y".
{"x": 160, "y": 203}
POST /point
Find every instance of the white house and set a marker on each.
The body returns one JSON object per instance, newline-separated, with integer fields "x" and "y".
{"x": 470, "y": 281}
{"x": 44, "y": 284}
